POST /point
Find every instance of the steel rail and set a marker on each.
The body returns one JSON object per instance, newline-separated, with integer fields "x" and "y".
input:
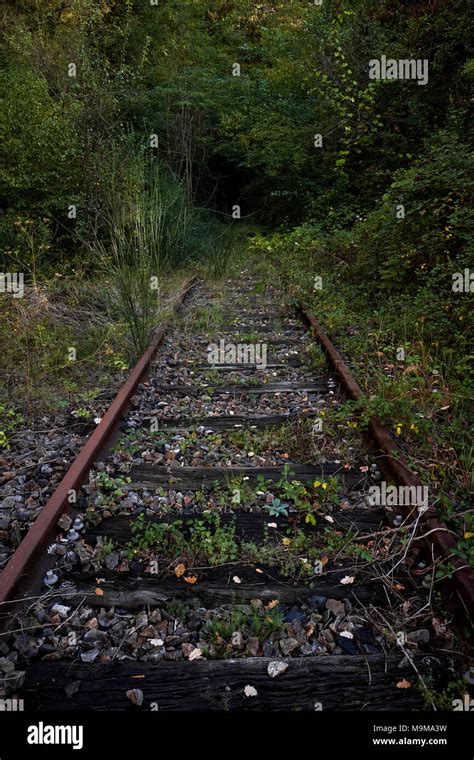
{"x": 39, "y": 533}
{"x": 440, "y": 539}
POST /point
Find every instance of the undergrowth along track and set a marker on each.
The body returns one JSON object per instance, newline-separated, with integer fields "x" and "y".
{"x": 223, "y": 554}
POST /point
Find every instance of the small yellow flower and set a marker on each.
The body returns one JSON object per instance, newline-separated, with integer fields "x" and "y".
{"x": 324, "y": 486}
{"x": 469, "y": 534}
{"x": 398, "y": 428}
{"x": 286, "y": 541}
{"x": 317, "y": 483}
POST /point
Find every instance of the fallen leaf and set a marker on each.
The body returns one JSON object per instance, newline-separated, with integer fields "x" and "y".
{"x": 258, "y": 570}
{"x": 346, "y": 635}
{"x": 364, "y": 468}
{"x": 250, "y": 691}
{"x": 99, "y": 592}
{"x": 236, "y": 579}
{"x": 195, "y": 654}
{"x": 135, "y": 696}
{"x": 156, "y": 642}
{"x": 190, "y": 579}
{"x": 180, "y": 570}
{"x": 347, "y": 580}
{"x": 403, "y": 684}
{"x": 271, "y": 604}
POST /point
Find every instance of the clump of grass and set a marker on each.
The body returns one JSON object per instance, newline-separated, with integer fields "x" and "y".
{"x": 148, "y": 235}
{"x": 152, "y": 231}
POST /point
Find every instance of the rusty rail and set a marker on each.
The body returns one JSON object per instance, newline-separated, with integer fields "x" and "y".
{"x": 38, "y": 535}
{"x": 440, "y": 539}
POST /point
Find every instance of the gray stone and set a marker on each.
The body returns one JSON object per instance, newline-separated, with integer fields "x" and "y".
{"x": 141, "y": 619}
{"x": 252, "y": 646}
{"x": 94, "y": 635}
{"x": 111, "y": 561}
{"x": 173, "y": 654}
{"x": 276, "y": 668}
{"x": 135, "y": 696}
{"x": 6, "y": 666}
{"x": 420, "y": 636}
{"x": 335, "y": 606}
{"x": 288, "y": 645}
{"x": 61, "y": 610}
{"x": 14, "y": 681}
{"x": 269, "y": 649}
{"x": 294, "y": 616}
{"x": 90, "y": 656}
{"x": 327, "y": 636}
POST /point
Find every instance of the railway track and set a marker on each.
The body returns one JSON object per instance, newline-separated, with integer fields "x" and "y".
{"x": 222, "y": 552}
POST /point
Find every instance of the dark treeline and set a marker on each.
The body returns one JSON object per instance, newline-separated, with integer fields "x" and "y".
{"x": 88, "y": 85}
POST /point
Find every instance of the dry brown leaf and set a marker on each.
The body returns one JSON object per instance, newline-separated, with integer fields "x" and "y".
{"x": 99, "y": 592}
{"x": 404, "y": 684}
{"x": 180, "y": 570}
{"x": 190, "y": 579}
{"x": 271, "y": 604}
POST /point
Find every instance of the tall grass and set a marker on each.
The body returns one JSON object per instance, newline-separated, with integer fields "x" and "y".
{"x": 148, "y": 229}
{"x": 151, "y": 232}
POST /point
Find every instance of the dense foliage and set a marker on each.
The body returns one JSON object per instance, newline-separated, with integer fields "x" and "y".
{"x": 168, "y": 70}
